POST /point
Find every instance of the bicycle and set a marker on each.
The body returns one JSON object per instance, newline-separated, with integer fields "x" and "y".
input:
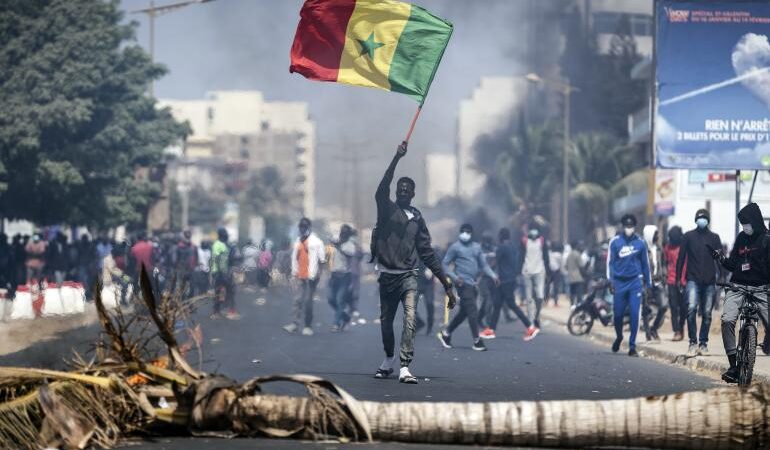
{"x": 748, "y": 315}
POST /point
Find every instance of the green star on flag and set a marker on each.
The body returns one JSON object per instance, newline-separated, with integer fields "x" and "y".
{"x": 369, "y": 46}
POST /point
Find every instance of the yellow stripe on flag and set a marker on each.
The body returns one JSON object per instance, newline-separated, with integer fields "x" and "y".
{"x": 372, "y": 35}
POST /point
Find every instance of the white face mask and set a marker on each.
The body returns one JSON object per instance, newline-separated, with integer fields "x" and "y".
{"x": 748, "y": 229}
{"x": 465, "y": 236}
{"x": 629, "y": 231}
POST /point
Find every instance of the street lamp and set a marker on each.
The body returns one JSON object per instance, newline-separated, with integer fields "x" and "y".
{"x": 566, "y": 90}
{"x": 153, "y": 11}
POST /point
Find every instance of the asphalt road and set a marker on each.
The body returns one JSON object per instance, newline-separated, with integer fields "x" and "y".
{"x": 553, "y": 366}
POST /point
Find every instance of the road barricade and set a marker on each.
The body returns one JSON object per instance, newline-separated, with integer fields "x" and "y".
{"x": 22, "y": 308}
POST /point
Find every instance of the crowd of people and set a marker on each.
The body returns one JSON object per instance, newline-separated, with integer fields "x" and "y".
{"x": 54, "y": 258}
{"x": 650, "y": 277}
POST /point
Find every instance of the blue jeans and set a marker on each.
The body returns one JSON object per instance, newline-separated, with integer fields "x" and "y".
{"x": 339, "y": 286}
{"x": 699, "y": 296}
{"x": 627, "y": 295}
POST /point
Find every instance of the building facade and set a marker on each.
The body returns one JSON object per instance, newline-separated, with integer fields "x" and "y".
{"x": 241, "y": 128}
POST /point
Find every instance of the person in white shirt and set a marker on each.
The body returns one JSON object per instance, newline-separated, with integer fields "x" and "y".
{"x": 307, "y": 256}
{"x": 535, "y": 266}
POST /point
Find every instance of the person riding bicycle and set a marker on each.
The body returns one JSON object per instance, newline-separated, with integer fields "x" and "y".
{"x": 749, "y": 263}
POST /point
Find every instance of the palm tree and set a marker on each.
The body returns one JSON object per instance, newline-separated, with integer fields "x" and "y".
{"x": 527, "y": 167}
{"x": 594, "y": 168}
{"x": 597, "y": 163}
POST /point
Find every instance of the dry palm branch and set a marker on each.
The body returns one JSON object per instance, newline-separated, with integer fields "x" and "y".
{"x": 139, "y": 362}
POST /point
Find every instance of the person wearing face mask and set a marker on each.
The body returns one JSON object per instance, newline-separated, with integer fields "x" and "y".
{"x": 628, "y": 270}
{"x": 700, "y": 277}
{"x": 675, "y": 298}
{"x": 469, "y": 262}
{"x": 307, "y": 256}
{"x": 400, "y": 241}
{"x": 748, "y": 264}
{"x": 535, "y": 266}
{"x": 656, "y": 296}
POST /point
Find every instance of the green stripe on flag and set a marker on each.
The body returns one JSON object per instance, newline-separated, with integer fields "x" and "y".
{"x": 418, "y": 53}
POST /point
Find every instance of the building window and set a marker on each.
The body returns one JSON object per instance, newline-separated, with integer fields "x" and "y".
{"x": 641, "y": 25}
{"x": 210, "y": 113}
{"x": 608, "y": 23}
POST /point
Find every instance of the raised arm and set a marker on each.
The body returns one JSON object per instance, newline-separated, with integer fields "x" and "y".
{"x": 383, "y": 190}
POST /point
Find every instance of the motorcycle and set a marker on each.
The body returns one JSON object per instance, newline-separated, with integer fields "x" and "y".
{"x": 590, "y": 308}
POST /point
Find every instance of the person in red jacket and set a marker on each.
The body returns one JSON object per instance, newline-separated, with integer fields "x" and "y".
{"x": 676, "y": 299}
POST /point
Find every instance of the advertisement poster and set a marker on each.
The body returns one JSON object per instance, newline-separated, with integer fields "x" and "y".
{"x": 713, "y": 85}
{"x": 665, "y": 192}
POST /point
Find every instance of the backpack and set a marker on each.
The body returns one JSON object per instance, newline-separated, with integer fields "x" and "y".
{"x": 265, "y": 259}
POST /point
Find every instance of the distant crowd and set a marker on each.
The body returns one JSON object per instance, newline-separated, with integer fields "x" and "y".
{"x": 56, "y": 258}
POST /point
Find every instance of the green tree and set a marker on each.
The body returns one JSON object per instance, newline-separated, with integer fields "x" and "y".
{"x": 76, "y": 121}
{"x": 526, "y": 167}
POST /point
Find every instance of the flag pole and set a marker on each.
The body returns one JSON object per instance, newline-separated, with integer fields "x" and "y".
{"x": 414, "y": 120}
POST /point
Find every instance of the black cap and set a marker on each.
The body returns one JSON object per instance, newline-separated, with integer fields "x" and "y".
{"x": 628, "y": 220}
{"x": 702, "y": 213}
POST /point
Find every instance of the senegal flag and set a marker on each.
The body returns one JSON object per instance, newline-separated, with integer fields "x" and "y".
{"x": 382, "y": 44}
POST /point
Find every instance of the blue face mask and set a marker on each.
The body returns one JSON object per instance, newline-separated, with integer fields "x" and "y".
{"x": 702, "y": 222}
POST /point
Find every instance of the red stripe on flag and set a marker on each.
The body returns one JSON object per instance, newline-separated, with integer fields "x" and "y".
{"x": 320, "y": 38}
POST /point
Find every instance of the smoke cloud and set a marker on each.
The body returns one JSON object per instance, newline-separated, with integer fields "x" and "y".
{"x": 244, "y": 44}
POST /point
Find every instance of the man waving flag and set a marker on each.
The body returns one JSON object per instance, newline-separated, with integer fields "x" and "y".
{"x": 382, "y": 44}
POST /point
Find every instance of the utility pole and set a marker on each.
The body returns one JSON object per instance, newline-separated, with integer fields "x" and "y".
{"x": 152, "y": 11}
{"x": 566, "y": 89}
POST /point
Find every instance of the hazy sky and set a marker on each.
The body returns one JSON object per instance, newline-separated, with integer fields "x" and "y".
{"x": 244, "y": 44}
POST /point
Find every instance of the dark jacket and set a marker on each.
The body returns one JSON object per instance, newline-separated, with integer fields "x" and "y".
{"x": 509, "y": 261}
{"x": 748, "y": 260}
{"x": 696, "y": 251}
{"x": 399, "y": 243}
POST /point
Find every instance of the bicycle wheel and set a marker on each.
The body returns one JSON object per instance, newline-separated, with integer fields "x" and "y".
{"x": 579, "y": 322}
{"x": 747, "y": 354}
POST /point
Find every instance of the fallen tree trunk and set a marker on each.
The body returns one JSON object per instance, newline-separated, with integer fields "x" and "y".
{"x": 713, "y": 419}
{"x": 119, "y": 392}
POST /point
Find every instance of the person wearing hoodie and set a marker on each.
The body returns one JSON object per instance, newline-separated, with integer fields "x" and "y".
{"x": 748, "y": 263}
{"x": 400, "y": 240}
{"x": 469, "y": 263}
{"x": 701, "y": 277}
{"x": 655, "y": 296}
{"x": 628, "y": 269}
{"x": 676, "y": 300}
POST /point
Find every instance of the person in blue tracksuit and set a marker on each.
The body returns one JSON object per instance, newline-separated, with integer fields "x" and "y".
{"x": 628, "y": 270}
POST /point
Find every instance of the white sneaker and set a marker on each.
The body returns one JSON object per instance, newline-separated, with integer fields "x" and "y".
{"x": 307, "y": 331}
{"x": 405, "y": 377}
{"x": 290, "y": 328}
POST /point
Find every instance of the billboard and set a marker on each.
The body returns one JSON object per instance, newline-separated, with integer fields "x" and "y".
{"x": 665, "y": 192}
{"x": 712, "y": 64}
